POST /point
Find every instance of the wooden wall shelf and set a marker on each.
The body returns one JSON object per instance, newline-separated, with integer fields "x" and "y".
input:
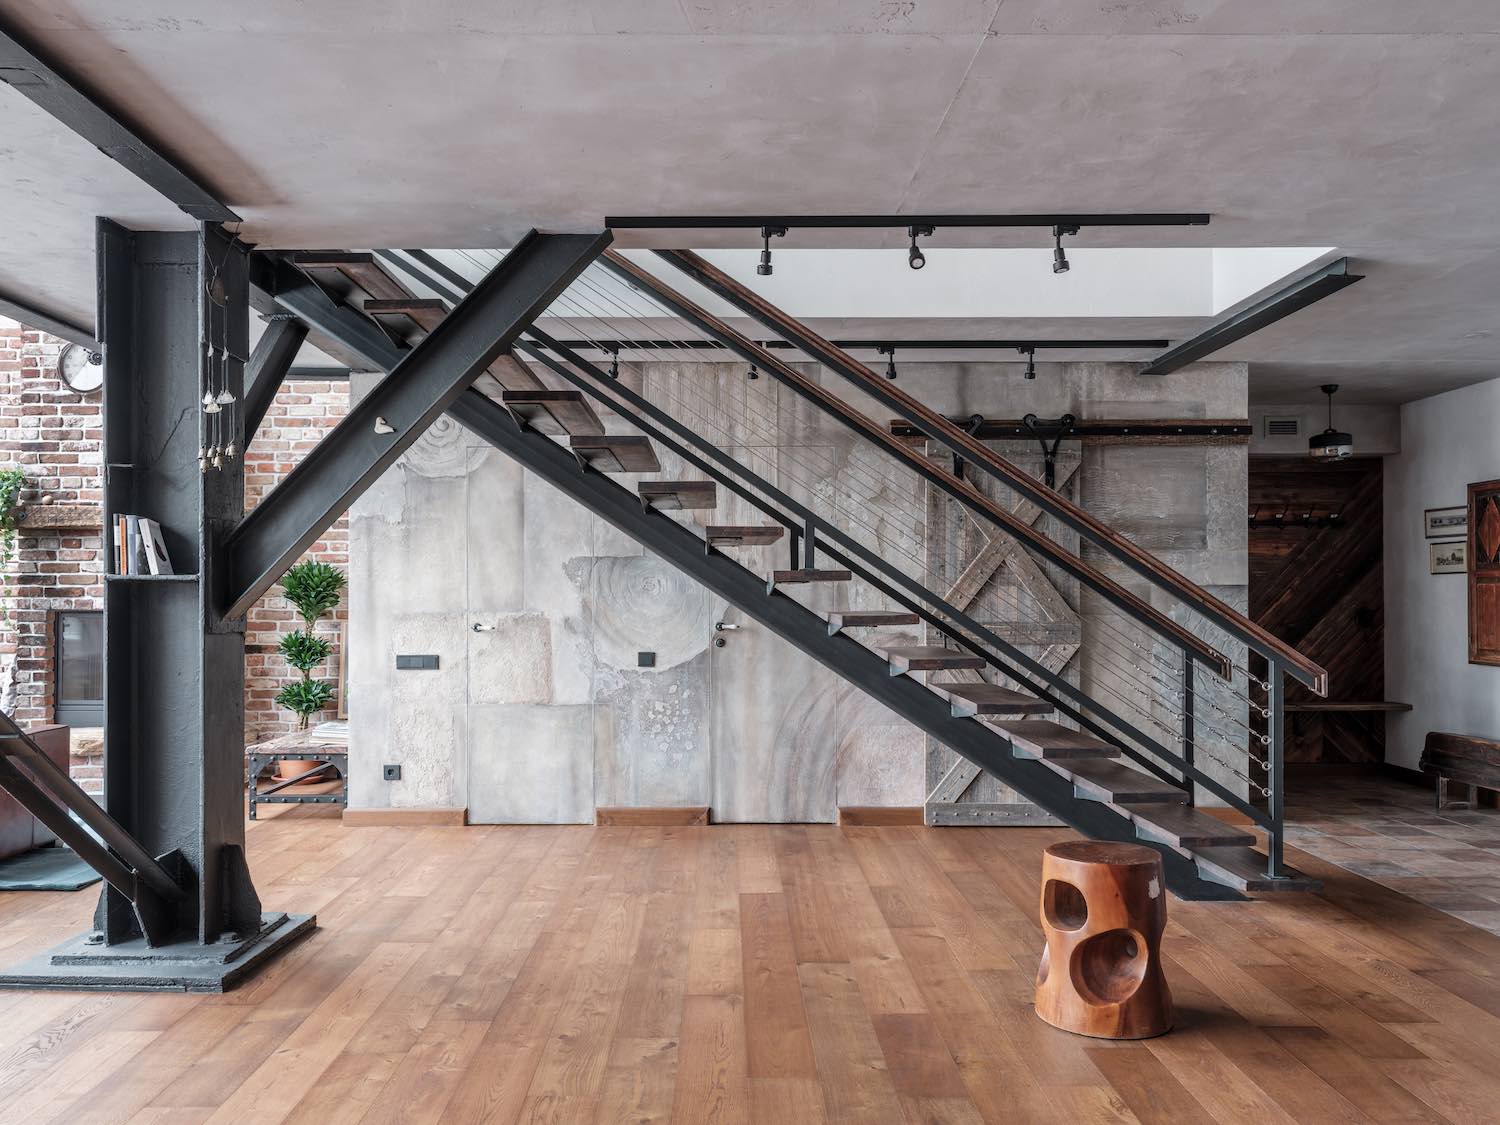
{"x": 61, "y": 517}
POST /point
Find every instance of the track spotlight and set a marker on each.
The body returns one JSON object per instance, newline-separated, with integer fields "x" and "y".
{"x": 890, "y": 365}
{"x": 766, "y": 234}
{"x": 914, "y": 257}
{"x": 1030, "y": 354}
{"x": 1060, "y": 259}
{"x": 753, "y": 374}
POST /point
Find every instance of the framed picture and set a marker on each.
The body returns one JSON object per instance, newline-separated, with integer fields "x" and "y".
{"x": 343, "y": 677}
{"x": 1445, "y": 523}
{"x": 1451, "y": 556}
{"x": 1484, "y": 572}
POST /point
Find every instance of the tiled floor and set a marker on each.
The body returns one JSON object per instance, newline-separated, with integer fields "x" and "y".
{"x": 1389, "y": 832}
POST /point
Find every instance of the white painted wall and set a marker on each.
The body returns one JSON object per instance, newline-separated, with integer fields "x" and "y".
{"x": 1447, "y": 441}
{"x": 1376, "y": 428}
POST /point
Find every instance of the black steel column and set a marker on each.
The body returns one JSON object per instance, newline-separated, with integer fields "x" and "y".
{"x": 174, "y": 326}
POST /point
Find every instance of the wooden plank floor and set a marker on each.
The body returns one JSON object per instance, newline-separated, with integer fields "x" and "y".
{"x": 793, "y": 975}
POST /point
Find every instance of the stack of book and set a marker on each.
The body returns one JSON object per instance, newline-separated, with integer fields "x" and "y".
{"x": 139, "y": 547}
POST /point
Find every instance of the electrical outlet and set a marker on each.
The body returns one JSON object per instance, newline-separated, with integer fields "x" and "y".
{"x": 645, "y": 660}
{"x": 391, "y": 773}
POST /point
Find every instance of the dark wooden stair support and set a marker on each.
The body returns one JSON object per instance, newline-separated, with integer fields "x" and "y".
{"x": 553, "y": 412}
{"x": 990, "y": 699}
{"x": 339, "y": 269}
{"x": 1244, "y": 869}
{"x": 679, "y": 495}
{"x": 616, "y": 453}
{"x": 1185, "y": 827}
{"x": 1117, "y": 784}
{"x": 730, "y": 535}
{"x": 407, "y": 315}
{"x": 1042, "y": 738}
{"x": 799, "y": 577}
{"x": 868, "y": 619}
{"x": 929, "y": 658}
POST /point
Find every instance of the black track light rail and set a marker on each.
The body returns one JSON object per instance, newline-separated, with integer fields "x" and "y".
{"x": 831, "y": 222}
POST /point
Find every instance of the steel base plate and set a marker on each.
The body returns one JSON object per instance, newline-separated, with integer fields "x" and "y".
{"x": 80, "y": 965}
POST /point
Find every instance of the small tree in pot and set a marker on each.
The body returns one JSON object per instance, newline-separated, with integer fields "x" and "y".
{"x": 313, "y": 588}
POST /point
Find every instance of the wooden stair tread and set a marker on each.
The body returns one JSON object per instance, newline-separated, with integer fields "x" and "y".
{"x": 1042, "y": 738}
{"x": 617, "y": 453}
{"x": 679, "y": 495}
{"x": 869, "y": 619}
{"x": 796, "y": 577}
{"x": 1244, "y": 869}
{"x": 930, "y": 658}
{"x": 1183, "y": 826}
{"x": 360, "y": 270}
{"x": 554, "y": 412}
{"x": 1118, "y": 784}
{"x": 743, "y": 535}
{"x": 991, "y": 699}
{"x": 403, "y": 314}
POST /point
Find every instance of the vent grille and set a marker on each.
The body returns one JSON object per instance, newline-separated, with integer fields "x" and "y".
{"x": 1281, "y": 427}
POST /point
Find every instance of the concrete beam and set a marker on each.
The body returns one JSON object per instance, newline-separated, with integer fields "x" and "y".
{"x": 49, "y": 85}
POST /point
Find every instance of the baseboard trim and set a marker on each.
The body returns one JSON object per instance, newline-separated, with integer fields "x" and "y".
{"x": 405, "y": 818}
{"x": 879, "y": 816}
{"x": 626, "y": 816}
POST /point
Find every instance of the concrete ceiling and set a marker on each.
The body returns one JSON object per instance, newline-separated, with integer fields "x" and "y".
{"x": 1369, "y": 125}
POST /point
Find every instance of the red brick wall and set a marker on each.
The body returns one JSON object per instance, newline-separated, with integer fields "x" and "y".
{"x": 301, "y": 414}
{"x": 55, "y": 435}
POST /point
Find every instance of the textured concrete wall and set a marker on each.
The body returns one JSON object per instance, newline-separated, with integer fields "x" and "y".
{"x": 544, "y": 713}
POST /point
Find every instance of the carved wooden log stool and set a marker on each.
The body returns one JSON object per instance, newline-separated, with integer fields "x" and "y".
{"x": 1104, "y": 907}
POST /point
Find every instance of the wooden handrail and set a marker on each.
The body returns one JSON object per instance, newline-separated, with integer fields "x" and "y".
{"x": 940, "y": 429}
{"x": 960, "y": 489}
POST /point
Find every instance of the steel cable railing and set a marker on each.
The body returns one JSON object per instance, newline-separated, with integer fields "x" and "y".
{"x": 890, "y": 518}
{"x": 574, "y": 309}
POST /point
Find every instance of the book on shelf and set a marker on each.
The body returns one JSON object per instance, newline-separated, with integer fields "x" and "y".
{"x": 155, "y": 547}
{"x": 139, "y": 547}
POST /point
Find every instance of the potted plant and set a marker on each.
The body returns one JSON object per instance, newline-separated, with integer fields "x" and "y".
{"x": 314, "y": 589}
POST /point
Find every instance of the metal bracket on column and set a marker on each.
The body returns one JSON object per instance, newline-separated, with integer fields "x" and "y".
{"x": 1047, "y": 430}
{"x": 398, "y": 411}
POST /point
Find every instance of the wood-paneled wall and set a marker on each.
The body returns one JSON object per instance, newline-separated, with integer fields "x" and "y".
{"x": 1321, "y": 588}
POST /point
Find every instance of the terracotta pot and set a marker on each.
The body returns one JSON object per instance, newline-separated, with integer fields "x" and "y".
{"x": 291, "y": 767}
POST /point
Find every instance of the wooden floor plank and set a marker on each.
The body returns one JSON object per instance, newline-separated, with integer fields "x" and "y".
{"x": 749, "y": 973}
{"x": 777, "y": 1039}
{"x": 712, "y": 1088}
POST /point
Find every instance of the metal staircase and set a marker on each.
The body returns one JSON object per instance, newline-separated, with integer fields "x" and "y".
{"x": 1124, "y": 758}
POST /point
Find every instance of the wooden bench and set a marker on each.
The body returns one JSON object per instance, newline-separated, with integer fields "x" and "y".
{"x": 1465, "y": 758}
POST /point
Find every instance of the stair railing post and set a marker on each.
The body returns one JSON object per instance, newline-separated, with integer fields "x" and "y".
{"x": 808, "y": 559}
{"x": 794, "y": 546}
{"x": 1275, "y": 765}
{"x": 1188, "y": 733}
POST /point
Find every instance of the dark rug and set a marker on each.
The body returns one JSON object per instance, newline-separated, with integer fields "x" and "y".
{"x": 46, "y": 869}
